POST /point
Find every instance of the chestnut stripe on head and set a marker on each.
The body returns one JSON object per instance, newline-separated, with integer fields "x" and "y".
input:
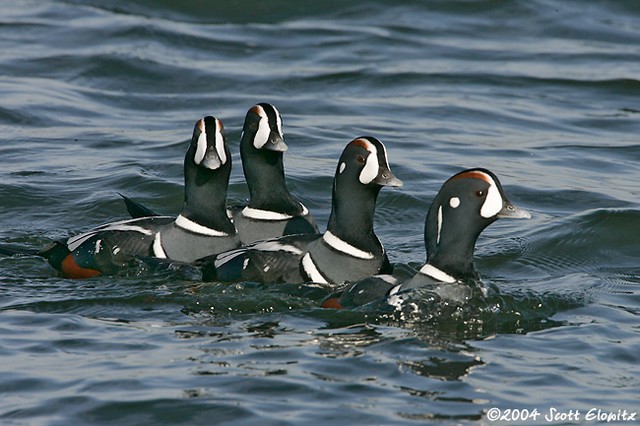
{"x": 474, "y": 174}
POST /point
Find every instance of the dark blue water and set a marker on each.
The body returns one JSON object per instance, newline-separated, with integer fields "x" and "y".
{"x": 100, "y": 97}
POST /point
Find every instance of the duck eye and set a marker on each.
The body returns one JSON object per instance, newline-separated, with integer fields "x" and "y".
{"x": 480, "y": 194}
{"x": 360, "y": 159}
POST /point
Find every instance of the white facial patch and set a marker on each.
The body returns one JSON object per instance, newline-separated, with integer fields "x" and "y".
{"x": 454, "y": 202}
{"x": 201, "y": 147}
{"x": 370, "y": 170}
{"x": 262, "y": 134}
{"x": 220, "y": 143}
{"x": 493, "y": 203}
{"x": 342, "y": 167}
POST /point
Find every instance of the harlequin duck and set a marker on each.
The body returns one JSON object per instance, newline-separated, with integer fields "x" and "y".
{"x": 201, "y": 229}
{"x": 272, "y": 210}
{"x": 349, "y": 250}
{"x": 467, "y": 203}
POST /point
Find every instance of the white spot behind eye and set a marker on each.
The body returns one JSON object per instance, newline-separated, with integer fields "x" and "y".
{"x": 454, "y": 202}
{"x": 201, "y": 147}
{"x": 493, "y": 203}
{"x": 342, "y": 167}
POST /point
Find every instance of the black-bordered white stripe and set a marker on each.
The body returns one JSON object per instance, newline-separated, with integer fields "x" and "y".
{"x": 437, "y": 274}
{"x": 267, "y": 246}
{"x": 311, "y": 270}
{"x": 191, "y": 226}
{"x": 342, "y": 246}
{"x": 259, "y": 214}
{"x": 76, "y": 241}
{"x": 158, "y": 250}
{"x": 270, "y": 215}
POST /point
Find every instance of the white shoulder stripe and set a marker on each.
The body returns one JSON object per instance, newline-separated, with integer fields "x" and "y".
{"x": 312, "y": 271}
{"x": 228, "y": 256}
{"x": 158, "y": 250}
{"x": 191, "y": 226}
{"x": 345, "y": 247}
{"x": 437, "y": 274}
{"x": 76, "y": 241}
{"x": 268, "y": 245}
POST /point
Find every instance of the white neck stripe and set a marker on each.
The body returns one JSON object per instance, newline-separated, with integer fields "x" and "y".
{"x": 437, "y": 274}
{"x": 191, "y": 226}
{"x": 312, "y": 271}
{"x": 259, "y": 214}
{"x": 345, "y": 247}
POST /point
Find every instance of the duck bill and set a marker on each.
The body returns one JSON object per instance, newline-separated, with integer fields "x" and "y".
{"x": 387, "y": 178}
{"x": 275, "y": 143}
{"x": 211, "y": 160}
{"x": 509, "y": 211}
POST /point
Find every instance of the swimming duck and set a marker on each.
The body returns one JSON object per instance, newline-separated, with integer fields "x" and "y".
{"x": 347, "y": 251}
{"x": 466, "y": 204}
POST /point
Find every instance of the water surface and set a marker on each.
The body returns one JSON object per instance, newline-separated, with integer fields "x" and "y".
{"x": 100, "y": 97}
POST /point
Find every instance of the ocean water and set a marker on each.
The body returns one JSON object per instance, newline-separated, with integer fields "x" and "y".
{"x": 100, "y": 97}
